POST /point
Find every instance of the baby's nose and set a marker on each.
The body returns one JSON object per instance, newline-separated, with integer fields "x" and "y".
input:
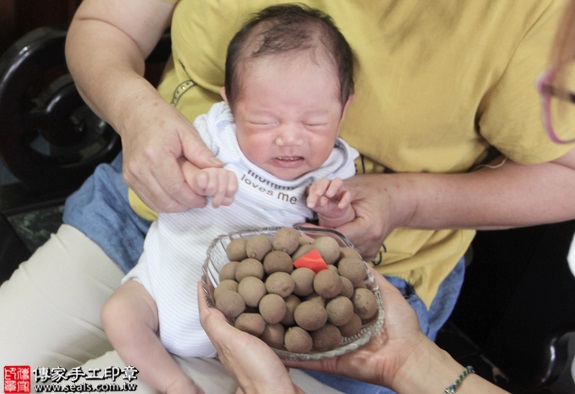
{"x": 290, "y": 135}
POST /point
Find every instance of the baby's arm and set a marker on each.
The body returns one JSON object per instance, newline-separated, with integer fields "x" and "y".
{"x": 331, "y": 201}
{"x": 218, "y": 183}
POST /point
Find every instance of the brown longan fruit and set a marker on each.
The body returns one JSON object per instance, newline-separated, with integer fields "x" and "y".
{"x": 314, "y": 297}
{"x": 353, "y": 269}
{"x": 228, "y": 271}
{"x": 252, "y": 323}
{"x": 230, "y": 303}
{"x": 272, "y": 308}
{"x": 302, "y": 250}
{"x": 303, "y": 281}
{"x": 327, "y": 283}
{"x": 280, "y": 283}
{"x": 273, "y": 335}
{"x": 236, "y": 250}
{"x": 364, "y": 303}
{"x": 278, "y": 261}
{"x": 353, "y": 327}
{"x": 249, "y": 267}
{"x": 264, "y": 293}
{"x": 347, "y": 288}
{"x": 258, "y": 246}
{"x": 346, "y": 251}
{"x": 226, "y": 284}
{"x": 292, "y": 301}
{"x": 252, "y": 290}
{"x": 326, "y": 338}
{"x": 310, "y": 315}
{"x": 328, "y": 248}
{"x": 298, "y": 340}
{"x": 286, "y": 239}
{"x": 339, "y": 310}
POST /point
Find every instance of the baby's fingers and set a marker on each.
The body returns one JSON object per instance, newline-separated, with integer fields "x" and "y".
{"x": 334, "y": 188}
{"x": 316, "y": 191}
{"x": 225, "y": 190}
{"x": 345, "y": 199}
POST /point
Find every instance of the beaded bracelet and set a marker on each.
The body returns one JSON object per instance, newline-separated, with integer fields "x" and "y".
{"x": 451, "y": 389}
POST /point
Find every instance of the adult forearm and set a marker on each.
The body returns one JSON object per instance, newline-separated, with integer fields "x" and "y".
{"x": 107, "y": 68}
{"x": 432, "y": 370}
{"x": 508, "y": 196}
{"x": 106, "y": 47}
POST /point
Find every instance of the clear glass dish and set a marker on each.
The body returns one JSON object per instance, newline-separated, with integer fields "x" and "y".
{"x": 217, "y": 258}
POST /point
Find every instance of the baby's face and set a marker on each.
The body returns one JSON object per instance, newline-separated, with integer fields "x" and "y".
{"x": 288, "y": 113}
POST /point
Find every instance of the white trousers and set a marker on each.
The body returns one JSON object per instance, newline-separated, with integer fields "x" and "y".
{"x": 50, "y": 316}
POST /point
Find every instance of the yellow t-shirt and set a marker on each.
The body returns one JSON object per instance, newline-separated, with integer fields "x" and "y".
{"x": 440, "y": 87}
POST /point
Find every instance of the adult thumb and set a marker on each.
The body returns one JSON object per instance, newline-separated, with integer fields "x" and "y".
{"x": 195, "y": 151}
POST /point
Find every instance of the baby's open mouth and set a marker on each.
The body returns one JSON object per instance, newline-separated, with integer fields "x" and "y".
{"x": 288, "y": 161}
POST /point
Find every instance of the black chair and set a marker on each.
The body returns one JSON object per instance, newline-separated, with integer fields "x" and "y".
{"x": 518, "y": 303}
{"x": 49, "y": 139}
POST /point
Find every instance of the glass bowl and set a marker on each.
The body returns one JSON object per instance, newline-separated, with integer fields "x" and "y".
{"x": 217, "y": 258}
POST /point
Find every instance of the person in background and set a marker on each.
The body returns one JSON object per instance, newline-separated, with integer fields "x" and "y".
{"x": 445, "y": 118}
{"x": 278, "y": 127}
{"x": 557, "y": 89}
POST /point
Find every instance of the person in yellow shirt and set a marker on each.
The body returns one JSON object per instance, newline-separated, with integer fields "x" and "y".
{"x": 400, "y": 357}
{"x": 445, "y": 118}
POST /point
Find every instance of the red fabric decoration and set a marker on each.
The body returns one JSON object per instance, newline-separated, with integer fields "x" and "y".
{"x": 311, "y": 260}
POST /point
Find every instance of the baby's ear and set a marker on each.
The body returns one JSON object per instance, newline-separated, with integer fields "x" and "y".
{"x": 223, "y": 94}
{"x": 349, "y": 101}
{"x": 346, "y": 106}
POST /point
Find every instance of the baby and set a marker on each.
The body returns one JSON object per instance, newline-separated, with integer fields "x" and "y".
{"x": 289, "y": 81}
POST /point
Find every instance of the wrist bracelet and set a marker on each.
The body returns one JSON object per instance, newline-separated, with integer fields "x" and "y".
{"x": 453, "y": 388}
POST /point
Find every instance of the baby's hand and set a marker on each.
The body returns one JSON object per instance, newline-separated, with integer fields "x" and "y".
{"x": 325, "y": 196}
{"x": 219, "y": 184}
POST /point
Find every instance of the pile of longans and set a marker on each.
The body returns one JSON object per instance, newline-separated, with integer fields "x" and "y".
{"x": 295, "y": 294}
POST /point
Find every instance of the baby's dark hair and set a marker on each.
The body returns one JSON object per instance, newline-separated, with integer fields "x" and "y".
{"x": 288, "y": 27}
